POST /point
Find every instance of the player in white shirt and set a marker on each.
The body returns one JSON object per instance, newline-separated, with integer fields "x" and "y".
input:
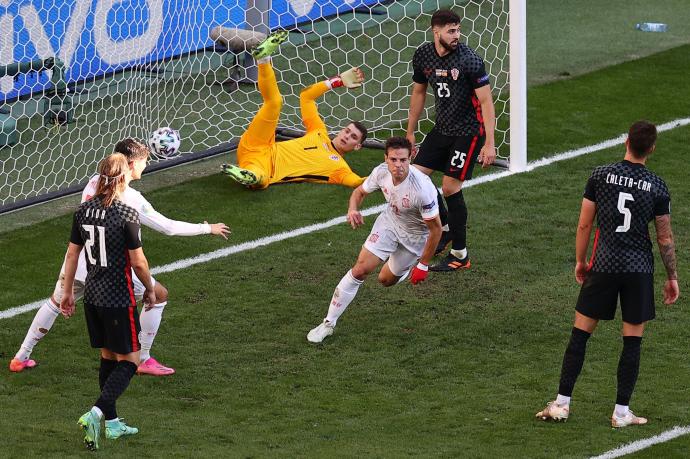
{"x": 406, "y": 233}
{"x": 137, "y": 155}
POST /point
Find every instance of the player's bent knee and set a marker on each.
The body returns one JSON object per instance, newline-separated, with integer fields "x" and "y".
{"x": 388, "y": 281}
{"x": 161, "y": 292}
{"x": 275, "y": 104}
{"x": 359, "y": 272}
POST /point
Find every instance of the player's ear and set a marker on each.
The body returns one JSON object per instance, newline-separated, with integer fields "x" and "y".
{"x": 357, "y": 147}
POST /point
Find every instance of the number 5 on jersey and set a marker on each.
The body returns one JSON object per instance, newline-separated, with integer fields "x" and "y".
{"x": 627, "y": 216}
{"x": 88, "y": 246}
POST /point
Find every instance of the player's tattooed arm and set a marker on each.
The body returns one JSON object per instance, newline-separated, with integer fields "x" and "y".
{"x": 667, "y": 248}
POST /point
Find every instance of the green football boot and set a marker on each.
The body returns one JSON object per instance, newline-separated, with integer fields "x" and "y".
{"x": 270, "y": 44}
{"x": 117, "y": 428}
{"x": 91, "y": 425}
{"x": 242, "y": 176}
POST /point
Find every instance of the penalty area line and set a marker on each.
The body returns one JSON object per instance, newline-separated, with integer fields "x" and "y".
{"x": 206, "y": 257}
{"x": 639, "y": 445}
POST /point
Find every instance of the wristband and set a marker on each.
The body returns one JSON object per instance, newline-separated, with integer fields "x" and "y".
{"x": 334, "y": 82}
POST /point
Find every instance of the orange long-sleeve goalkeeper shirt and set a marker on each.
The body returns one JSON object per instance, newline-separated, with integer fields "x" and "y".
{"x": 312, "y": 158}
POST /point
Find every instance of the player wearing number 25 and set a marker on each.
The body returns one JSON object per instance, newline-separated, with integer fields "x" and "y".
{"x": 464, "y": 125}
{"x": 624, "y": 197}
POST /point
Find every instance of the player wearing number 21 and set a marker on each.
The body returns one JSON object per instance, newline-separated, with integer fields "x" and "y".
{"x": 624, "y": 197}
{"x": 464, "y": 125}
{"x": 108, "y": 230}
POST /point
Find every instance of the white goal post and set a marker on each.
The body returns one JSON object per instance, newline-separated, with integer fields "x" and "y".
{"x": 77, "y": 76}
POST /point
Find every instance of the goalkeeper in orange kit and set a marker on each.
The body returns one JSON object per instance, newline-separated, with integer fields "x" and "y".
{"x": 315, "y": 157}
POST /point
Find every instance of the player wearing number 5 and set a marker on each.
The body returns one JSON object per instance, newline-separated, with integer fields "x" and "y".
{"x": 108, "y": 230}
{"x": 464, "y": 126}
{"x": 624, "y": 197}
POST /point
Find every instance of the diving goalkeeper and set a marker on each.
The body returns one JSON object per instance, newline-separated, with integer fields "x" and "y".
{"x": 311, "y": 158}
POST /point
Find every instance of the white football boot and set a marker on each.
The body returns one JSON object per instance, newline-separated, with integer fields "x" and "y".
{"x": 628, "y": 420}
{"x": 319, "y": 333}
{"x": 555, "y": 412}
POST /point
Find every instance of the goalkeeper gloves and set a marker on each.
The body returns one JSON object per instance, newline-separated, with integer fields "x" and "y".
{"x": 419, "y": 273}
{"x": 352, "y": 78}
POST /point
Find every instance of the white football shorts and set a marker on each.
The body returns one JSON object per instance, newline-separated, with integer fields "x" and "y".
{"x": 386, "y": 245}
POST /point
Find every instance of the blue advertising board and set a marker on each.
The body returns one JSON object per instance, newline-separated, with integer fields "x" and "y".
{"x": 98, "y": 37}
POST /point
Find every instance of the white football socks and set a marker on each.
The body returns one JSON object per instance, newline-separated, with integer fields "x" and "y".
{"x": 264, "y": 60}
{"x": 150, "y": 321}
{"x": 42, "y": 323}
{"x": 342, "y": 296}
{"x": 621, "y": 410}
{"x": 461, "y": 254}
{"x": 562, "y": 400}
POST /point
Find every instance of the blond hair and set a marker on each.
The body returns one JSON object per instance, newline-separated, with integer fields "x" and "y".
{"x": 111, "y": 183}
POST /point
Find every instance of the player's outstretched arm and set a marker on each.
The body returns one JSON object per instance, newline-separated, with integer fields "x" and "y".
{"x": 584, "y": 231}
{"x": 352, "y": 78}
{"x": 354, "y": 217}
{"x": 158, "y": 222}
{"x": 667, "y": 249}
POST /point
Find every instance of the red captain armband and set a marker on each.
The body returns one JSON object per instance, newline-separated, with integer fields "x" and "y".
{"x": 334, "y": 82}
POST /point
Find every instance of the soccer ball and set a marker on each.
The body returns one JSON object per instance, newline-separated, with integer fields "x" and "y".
{"x": 164, "y": 143}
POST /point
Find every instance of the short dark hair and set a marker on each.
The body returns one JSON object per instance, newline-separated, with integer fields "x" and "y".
{"x": 132, "y": 149}
{"x": 362, "y": 129}
{"x": 444, "y": 17}
{"x": 641, "y": 138}
{"x": 398, "y": 142}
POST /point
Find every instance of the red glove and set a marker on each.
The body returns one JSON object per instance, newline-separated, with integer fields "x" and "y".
{"x": 419, "y": 273}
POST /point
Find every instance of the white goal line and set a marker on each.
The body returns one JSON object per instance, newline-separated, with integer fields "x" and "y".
{"x": 221, "y": 253}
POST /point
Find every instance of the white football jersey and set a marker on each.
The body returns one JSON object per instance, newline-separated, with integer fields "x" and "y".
{"x": 148, "y": 216}
{"x": 409, "y": 203}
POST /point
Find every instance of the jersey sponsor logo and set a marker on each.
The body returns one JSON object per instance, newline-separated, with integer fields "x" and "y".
{"x": 454, "y": 73}
{"x": 441, "y": 73}
{"x": 334, "y": 157}
{"x": 406, "y": 203}
{"x": 373, "y": 238}
{"x": 429, "y": 206}
{"x": 484, "y": 79}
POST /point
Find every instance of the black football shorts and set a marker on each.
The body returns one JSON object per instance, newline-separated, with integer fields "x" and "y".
{"x": 455, "y": 156}
{"x": 600, "y": 293}
{"x": 115, "y": 329}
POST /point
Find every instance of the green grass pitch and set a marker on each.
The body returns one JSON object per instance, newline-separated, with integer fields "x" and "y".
{"x": 455, "y": 367}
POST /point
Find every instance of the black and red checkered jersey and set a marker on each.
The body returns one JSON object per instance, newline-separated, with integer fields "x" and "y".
{"x": 628, "y": 197}
{"x": 107, "y": 233}
{"x": 453, "y": 79}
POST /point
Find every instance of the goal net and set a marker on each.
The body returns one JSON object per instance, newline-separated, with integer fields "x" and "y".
{"x": 96, "y": 71}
